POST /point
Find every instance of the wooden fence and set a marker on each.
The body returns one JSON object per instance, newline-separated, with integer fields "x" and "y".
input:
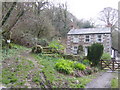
{"x": 110, "y": 64}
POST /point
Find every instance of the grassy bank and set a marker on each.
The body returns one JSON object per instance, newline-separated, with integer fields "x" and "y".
{"x": 114, "y": 83}
{"x": 36, "y": 71}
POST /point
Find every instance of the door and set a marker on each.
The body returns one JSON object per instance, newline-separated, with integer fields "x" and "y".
{"x": 86, "y": 51}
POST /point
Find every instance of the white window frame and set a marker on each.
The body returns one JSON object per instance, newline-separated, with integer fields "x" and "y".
{"x": 75, "y": 39}
{"x": 75, "y": 50}
{"x": 99, "y": 38}
{"x": 88, "y": 38}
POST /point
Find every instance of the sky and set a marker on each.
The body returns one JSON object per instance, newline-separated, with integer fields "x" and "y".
{"x": 88, "y": 9}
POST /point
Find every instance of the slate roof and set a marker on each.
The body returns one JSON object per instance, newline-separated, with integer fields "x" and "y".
{"x": 105, "y": 30}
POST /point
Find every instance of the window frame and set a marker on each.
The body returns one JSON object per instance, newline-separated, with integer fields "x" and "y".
{"x": 75, "y": 39}
{"x": 87, "y": 38}
{"x": 74, "y": 51}
{"x": 100, "y": 39}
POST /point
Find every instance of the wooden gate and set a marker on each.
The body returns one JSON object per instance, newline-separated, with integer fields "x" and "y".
{"x": 110, "y": 64}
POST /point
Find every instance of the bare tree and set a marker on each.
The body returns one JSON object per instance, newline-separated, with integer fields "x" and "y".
{"x": 109, "y": 16}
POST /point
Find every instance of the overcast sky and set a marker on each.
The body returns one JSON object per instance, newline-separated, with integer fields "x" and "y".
{"x": 86, "y": 9}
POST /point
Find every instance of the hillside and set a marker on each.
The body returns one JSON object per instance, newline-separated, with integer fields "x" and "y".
{"x": 36, "y": 71}
{"x": 33, "y": 48}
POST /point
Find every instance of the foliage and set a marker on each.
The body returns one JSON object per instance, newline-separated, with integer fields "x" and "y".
{"x": 8, "y": 78}
{"x": 82, "y": 81}
{"x": 64, "y": 66}
{"x": 86, "y": 62}
{"x": 89, "y": 71}
{"x": 79, "y": 66}
{"x": 67, "y": 67}
{"x": 114, "y": 83}
{"x": 57, "y": 45}
{"x": 36, "y": 79}
{"x": 85, "y": 24}
{"x": 41, "y": 20}
{"x": 95, "y": 52}
{"x": 22, "y": 69}
{"x": 80, "y": 49}
{"x": 15, "y": 49}
{"x": 16, "y": 72}
{"x": 106, "y": 56}
{"x": 43, "y": 42}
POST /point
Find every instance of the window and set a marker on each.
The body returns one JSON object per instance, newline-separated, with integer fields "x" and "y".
{"x": 99, "y": 38}
{"x": 75, "y": 48}
{"x": 87, "y": 38}
{"x": 75, "y": 39}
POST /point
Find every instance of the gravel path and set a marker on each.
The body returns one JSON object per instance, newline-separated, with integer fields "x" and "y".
{"x": 102, "y": 81}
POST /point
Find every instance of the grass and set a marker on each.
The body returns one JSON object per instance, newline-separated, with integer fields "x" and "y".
{"x": 16, "y": 73}
{"x": 48, "y": 64}
{"x": 19, "y": 69}
{"x": 57, "y": 79}
{"x": 15, "y": 50}
{"x": 114, "y": 83}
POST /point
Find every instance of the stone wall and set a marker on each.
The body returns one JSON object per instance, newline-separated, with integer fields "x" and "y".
{"x": 106, "y": 41}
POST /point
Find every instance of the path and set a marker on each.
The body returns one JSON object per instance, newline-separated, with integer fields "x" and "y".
{"x": 27, "y": 55}
{"x": 37, "y": 67}
{"x": 102, "y": 81}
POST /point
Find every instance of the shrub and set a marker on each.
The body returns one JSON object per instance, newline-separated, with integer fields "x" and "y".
{"x": 106, "y": 56}
{"x": 79, "y": 66}
{"x": 56, "y": 45}
{"x": 95, "y": 52}
{"x": 80, "y": 49}
{"x": 67, "y": 67}
{"x": 64, "y": 66}
{"x": 86, "y": 62}
{"x": 89, "y": 71}
{"x": 42, "y": 42}
{"x": 37, "y": 49}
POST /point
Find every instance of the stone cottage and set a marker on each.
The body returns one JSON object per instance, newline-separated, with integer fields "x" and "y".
{"x": 86, "y": 37}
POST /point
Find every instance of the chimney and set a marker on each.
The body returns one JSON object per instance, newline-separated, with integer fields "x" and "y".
{"x": 109, "y": 25}
{"x": 72, "y": 27}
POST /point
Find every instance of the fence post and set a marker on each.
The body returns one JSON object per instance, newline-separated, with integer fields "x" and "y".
{"x": 101, "y": 64}
{"x": 113, "y": 67}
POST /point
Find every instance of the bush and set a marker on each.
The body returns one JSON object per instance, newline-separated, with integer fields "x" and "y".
{"x": 86, "y": 62}
{"x": 89, "y": 71}
{"x": 64, "y": 66}
{"x": 37, "y": 49}
{"x": 43, "y": 42}
{"x": 79, "y": 66}
{"x": 56, "y": 45}
{"x": 95, "y": 52}
{"x": 80, "y": 49}
{"x": 67, "y": 67}
{"x": 106, "y": 56}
